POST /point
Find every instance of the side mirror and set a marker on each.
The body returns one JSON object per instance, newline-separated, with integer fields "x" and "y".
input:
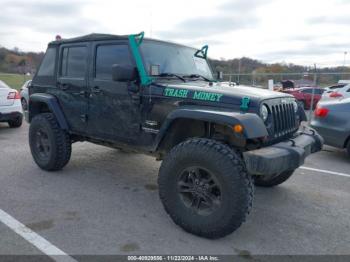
{"x": 123, "y": 73}
{"x": 220, "y": 75}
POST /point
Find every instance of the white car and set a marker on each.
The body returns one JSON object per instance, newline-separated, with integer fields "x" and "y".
{"x": 337, "y": 92}
{"x": 10, "y": 106}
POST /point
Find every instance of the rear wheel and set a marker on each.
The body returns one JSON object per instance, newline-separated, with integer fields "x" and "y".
{"x": 205, "y": 188}
{"x": 50, "y": 145}
{"x": 17, "y": 122}
{"x": 272, "y": 180}
{"x": 24, "y": 104}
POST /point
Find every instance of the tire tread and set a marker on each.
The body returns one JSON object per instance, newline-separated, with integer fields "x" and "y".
{"x": 228, "y": 153}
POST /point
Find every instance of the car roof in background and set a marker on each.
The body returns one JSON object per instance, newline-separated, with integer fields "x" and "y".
{"x": 303, "y": 88}
{"x": 336, "y": 86}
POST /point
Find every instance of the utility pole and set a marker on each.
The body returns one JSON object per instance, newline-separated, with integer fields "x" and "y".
{"x": 345, "y": 53}
{"x": 151, "y": 24}
{"x": 344, "y": 70}
{"x": 239, "y": 70}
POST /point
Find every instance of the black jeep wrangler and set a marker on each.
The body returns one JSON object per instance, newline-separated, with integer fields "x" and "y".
{"x": 161, "y": 99}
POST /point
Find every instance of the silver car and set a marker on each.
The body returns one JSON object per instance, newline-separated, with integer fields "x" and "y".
{"x": 25, "y": 95}
{"x": 331, "y": 120}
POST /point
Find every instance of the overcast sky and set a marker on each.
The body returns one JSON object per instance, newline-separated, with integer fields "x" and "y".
{"x": 291, "y": 31}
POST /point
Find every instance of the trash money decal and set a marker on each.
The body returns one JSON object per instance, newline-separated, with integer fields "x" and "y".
{"x": 198, "y": 95}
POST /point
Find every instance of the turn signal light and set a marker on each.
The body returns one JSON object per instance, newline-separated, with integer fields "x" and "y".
{"x": 237, "y": 128}
{"x": 321, "y": 112}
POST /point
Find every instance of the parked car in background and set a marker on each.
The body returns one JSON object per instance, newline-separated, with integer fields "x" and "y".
{"x": 331, "y": 120}
{"x": 228, "y": 83}
{"x": 25, "y": 94}
{"x": 10, "y": 106}
{"x": 343, "y": 91}
{"x": 347, "y": 81}
{"x": 331, "y": 88}
{"x": 304, "y": 95}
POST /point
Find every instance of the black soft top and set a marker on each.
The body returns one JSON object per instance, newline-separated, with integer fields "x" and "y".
{"x": 101, "y": 37}
{"x": 89, "y": 37}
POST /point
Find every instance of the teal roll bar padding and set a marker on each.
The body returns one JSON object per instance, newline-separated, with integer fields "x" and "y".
{"x": 135, "y": 41}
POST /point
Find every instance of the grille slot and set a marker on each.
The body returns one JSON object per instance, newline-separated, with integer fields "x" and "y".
{"x": 283, "y": 118}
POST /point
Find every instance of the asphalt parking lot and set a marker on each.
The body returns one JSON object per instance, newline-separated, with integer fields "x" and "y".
{"x": 106, "y": 202}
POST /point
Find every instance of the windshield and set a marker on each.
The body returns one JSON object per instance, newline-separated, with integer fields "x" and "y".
{"x": 174, "y": 59}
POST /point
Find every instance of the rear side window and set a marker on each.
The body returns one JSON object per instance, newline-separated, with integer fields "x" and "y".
{"x": 47, "y": 67}
{"x": 316, "y": 92}
{"x": 108, "y": 55}
{"x": 307, "y": 91}
{"x": 74, "y": 61}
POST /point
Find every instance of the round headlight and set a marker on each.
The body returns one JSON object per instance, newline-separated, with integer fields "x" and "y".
{"x": 264, "y": 112}
{"x": 295, "y": 106}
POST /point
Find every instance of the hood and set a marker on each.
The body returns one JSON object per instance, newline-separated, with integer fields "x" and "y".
{"x": 231, "y": 94}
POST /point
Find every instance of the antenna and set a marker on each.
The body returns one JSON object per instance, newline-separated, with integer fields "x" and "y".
{"x": 151, "y": 24}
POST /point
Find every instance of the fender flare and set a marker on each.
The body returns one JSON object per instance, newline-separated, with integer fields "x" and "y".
{"x": 253, "y": 125}
{"x": 52, "y": 103}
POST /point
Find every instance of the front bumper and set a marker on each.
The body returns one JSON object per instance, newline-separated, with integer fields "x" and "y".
{"x": 284, "y": 156}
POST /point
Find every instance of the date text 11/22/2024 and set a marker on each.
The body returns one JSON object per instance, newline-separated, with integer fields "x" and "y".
{"x": 173, "y": 258}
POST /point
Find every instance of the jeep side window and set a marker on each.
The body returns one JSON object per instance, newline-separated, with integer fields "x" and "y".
{"x": 74, "y": 62}
{"x": 108, "y": 55}
{"x": 47, "y": 67}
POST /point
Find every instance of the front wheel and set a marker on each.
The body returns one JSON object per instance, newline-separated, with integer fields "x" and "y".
{"x": 272, "y": 180}
{"x": 205, "y": 188}
{"x": 50, "y": 145}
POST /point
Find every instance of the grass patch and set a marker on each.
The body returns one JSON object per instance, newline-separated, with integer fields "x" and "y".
{"x": 14, "y": 80}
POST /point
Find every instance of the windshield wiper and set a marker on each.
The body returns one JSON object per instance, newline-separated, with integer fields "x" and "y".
{"x": 198, "y": 76}
{"x": 171, "y": 75}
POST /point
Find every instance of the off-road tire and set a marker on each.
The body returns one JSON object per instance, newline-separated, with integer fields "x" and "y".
{"x": 17, "y": 122}
{"x": 58, "y": 141}
{"x": 264, "y": 181}
{"x": 228, "y": 169}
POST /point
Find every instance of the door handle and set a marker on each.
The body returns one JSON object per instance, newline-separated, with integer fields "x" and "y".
{"x": 96, "y": 90}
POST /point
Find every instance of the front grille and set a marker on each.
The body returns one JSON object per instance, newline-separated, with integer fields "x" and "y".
{"x": 283, "y": 121}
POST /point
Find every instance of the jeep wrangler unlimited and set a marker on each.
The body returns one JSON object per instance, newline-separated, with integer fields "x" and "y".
{"x": 160, "y": 98}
